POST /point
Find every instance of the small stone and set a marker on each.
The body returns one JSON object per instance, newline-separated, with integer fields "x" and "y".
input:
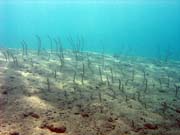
{"x": 55, "y": 127}
{"x": 84, "y": 114}
{"x": 34, "y": 115}
{"x": 178, "y": 110}
{"x": 110, "y": 119}
{"x": 14, "y": 133}
{"x": 5, "y": 92}
{"x": 76, "y": 110}
{"x": 150, "y": 126}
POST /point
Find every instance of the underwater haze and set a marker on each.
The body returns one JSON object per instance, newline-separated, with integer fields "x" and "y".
{"x": 131, "y": 27}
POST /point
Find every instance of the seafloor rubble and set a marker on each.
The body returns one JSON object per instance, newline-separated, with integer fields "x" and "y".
{"x": 86, "y": 93}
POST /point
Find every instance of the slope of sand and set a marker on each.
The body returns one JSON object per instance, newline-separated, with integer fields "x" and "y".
{"x": 35, "y": 101}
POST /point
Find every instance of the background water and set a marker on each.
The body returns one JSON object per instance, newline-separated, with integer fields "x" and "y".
{"x": 128, "y": 27}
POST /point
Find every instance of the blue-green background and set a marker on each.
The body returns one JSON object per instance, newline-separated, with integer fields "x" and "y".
{"x": 132, "y": 27}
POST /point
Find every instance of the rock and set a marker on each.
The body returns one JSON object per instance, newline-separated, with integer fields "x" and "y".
{"x": 84, "y": 114}
{"x": 5, "y": 92}
{"x": 32, "y": 114}
{"x": 55, "y": 127}
{"x": 110, "y": 119}
{"x": 75, "y": 110}
{"x": 150, "y": 126}
{"x": 14, "y": 133}
{"x": 25, "y": 115}
{"x": 178, "y": 110}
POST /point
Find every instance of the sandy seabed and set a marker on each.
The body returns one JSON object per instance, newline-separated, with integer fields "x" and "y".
{"x": 90, "y": 94}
